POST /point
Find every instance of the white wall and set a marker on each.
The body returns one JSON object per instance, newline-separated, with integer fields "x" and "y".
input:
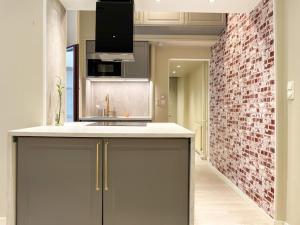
{"x": 56, "y": 55}
{"x": 21, "y": 74}
{"x": 191, "y": 102}
{"x": 181, "y": 103}
{"x": 288, "y": 142}
{"x": 87, "y": 24}
{"x": 172, "y": 117}
{"x": 72, "y": 27}
{"x": 281, "y": 117}
{"x": 161, "y": 79}
{"x": 288, "y": 48}
{"x": 197, "y": 109}
{"x": 292, "y": 70}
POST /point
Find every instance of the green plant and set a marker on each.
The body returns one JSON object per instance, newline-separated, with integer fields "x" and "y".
{"x": 60, "y": 88}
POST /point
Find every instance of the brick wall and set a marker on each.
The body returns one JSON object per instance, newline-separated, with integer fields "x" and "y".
{"x": 242, "y": 104}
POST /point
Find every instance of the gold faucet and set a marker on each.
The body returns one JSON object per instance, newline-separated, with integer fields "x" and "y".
{"x": 107, "y": 109}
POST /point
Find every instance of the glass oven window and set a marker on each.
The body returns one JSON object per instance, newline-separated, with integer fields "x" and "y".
{"x": 97, "y": 67}
{"x": 106, "y": 68}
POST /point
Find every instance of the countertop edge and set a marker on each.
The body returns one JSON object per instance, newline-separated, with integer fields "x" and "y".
{"x": 115, "y": 119}
{"x": 151, "y": 130}
{"x": 102, "y": 135}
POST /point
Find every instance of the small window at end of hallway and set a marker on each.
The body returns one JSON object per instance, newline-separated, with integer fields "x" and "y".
{"x": 72, "y": 84}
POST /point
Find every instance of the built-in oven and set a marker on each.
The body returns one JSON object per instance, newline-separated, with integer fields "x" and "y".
{"x": 95, "y": 67}
{"x": 98, "y": 68}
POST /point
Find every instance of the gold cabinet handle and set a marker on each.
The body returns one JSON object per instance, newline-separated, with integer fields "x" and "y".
{"x": 97, "y": 167}
{"x": 105, "y": 166}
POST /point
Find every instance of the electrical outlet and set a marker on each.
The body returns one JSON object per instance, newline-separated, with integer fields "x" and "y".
{"x": 291, "y": 90}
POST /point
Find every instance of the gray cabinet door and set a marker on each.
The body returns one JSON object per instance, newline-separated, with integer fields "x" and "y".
{"x": 140, "y": 67}
{"x": 147, "y": 182}
{"x": 56, "y": 182}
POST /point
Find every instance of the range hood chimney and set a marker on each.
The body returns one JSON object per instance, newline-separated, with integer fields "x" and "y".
{"x": 114, "y": 30}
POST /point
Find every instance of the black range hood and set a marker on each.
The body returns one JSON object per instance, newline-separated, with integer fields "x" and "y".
{"x": 114, "y": 30}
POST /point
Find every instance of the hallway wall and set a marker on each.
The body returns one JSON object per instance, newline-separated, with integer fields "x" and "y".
{"x": 161, "y": 78}
{"x": 172, "y": 117}
{"x": 56, "y": 56}
{"x": 196, "y": 107}
{"x": 242, "y": 104}
{"x": 188, "y": 103}
{"x": 22, "y": 83}
{"x": 287, "y": 68}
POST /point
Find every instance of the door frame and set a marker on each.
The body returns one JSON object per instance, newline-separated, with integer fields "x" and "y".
{"x": 206, "y": 155}
{"x": 75, "y": 49}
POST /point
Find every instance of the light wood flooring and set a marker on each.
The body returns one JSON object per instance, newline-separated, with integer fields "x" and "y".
{"x": 216, "y": 203}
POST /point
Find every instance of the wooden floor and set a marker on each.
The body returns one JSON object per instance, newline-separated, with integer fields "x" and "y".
{"x": 216, "y": 203}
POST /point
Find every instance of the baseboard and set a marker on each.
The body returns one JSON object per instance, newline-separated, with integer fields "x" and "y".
{"x": 240, "y": 192}
{"x": 2, "y": 220}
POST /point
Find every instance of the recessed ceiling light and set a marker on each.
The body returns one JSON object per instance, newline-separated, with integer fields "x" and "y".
{"x": 174, "y": 72}
{"x": 157, "y": 0}
{"x": 178, "y": 66}
{"x": 211, "y": 1}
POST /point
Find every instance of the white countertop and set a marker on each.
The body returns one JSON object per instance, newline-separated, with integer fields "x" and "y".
{"x": 151, "y": 130}
{"x": 116, "y": 118}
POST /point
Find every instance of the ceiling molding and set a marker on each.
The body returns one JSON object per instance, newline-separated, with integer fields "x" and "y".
{"x": 219, "y": 6}
{"x": 179, "y": 40}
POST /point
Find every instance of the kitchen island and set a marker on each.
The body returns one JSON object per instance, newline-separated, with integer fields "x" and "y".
{"x": 102, "y": 175}
{"x": 116, "y": 118}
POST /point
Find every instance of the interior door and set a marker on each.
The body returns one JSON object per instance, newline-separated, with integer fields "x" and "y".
{"x": 58, "y": 180}
{"x": 146, "y": 182}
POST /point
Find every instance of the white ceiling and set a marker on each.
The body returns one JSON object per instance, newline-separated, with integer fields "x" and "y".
{"x": 185, "y": 68}
{"x": 220, "y": 6}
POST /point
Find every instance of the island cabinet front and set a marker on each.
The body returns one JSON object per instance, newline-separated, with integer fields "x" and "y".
{"x": 57, "y": 183}
{"x": 92, "y": 181}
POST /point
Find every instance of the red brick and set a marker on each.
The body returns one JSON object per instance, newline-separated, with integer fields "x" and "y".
{"x": 242, "y": 99}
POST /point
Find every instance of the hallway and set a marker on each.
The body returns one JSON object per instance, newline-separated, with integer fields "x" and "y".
{"x": 216, "y": 203}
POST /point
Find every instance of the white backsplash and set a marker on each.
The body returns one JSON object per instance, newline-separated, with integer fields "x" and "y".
{"x": 125, "y": 97}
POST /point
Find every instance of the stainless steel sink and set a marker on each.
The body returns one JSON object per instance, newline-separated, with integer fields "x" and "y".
{"x": 119, "y": 123}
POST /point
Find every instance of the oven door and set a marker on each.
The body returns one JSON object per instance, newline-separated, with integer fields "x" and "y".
{"x": 98, "y": 68}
